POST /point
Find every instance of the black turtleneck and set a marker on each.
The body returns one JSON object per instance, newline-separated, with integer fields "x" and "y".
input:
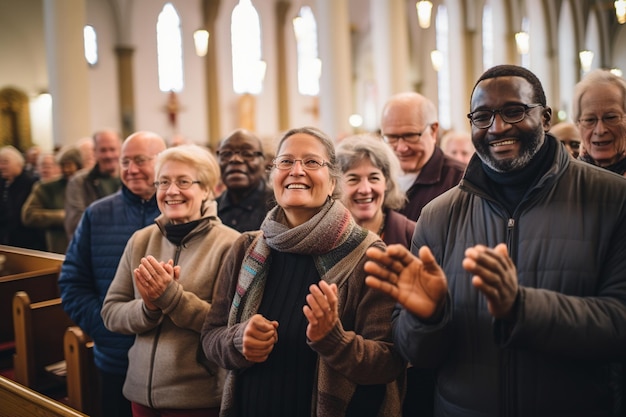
{"x": 175, "y": 233}
{"x": 511, "y": 187}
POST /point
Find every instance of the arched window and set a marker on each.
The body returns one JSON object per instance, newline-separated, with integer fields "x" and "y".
{"x": 245, "y": 31}
{"x": 169, "y": 50}
{"x": 91, "y": 45}
{"x": 488, "y": 55}
{"x": 309, "y": 64}
{"x": 443, "y": 73}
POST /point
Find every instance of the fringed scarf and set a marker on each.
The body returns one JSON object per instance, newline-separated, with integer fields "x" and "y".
{"x": 331, "y": 236}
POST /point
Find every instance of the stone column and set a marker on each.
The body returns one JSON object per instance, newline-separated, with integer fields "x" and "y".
{"x": 125, "y": 87}
{"x": 210, "y": 9}
{"x": 282, "y": 7}
{"x": 336, "y": 81}
{"x": 390, "y": 39}
{"x": 68, "y": 77}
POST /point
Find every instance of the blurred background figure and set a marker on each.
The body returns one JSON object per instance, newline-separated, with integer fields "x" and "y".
{"x": 458, "y": 145}
{"x": 599, "y": 106}
{"x": 569, "y": 135}
{"x": 31, "y": 159}
{"x": 101, "y": 180}
{"x": 44, "y": 207}
{"x": 87, "y": 154}
{"x": 370, "y": 190}
{"x": 15, "y": 186}
{"x": 47, "y": 167}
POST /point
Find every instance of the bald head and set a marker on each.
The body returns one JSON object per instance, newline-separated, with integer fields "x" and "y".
{"x": 139, "y": 152}
{"x": 569, "y": 135}
{"x": 409, "y": 124}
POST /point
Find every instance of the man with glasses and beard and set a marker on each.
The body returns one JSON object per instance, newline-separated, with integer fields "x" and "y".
{"x": 515, "y": 289}
{"x": 246, "y": 200}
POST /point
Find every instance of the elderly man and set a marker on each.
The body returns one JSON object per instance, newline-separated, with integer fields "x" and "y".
{"x": 409, "y": 125}
{"x": 91, "y": 184}
{"x": 599, "y": 109}
{"x": 245, "y": 202}
{"x": 515, "y": 289}
{"x": 94, "y": 253}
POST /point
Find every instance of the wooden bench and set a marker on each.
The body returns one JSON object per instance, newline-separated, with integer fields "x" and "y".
{"x": 82, "y": 380}
{"x": 24, "y": 270}
{"x": 39, "y": 331}
{"x": 19, "y": 401}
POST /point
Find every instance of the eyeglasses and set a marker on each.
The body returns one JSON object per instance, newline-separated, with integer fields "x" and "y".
{"x": 137, "y": 160}
{"x": 245, "y": 154}
{"x": 410, "y": 137}
{"x": 285, "y": 163}
{"x": 483, "y": 119}
{"x": 610, "y": 119}
{"x": 181, "y": 183}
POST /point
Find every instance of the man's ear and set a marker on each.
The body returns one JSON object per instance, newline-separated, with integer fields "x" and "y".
{"x": 546, "y": 118}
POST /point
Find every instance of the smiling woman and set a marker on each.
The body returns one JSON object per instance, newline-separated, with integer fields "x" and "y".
{"x": 308, "y": 252}
{"x": 164, "y": 287}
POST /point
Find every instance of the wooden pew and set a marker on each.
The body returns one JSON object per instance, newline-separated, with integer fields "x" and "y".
{"x": 19, "y": 401}
{"x": 39, "y": 331}
{"x": 82, "y": 380}
{"x": 24, "y": 270}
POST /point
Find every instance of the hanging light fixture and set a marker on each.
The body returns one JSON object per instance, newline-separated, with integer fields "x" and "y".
{"x": 424, "y": 9}
{"x": 522, "y": 42}
{"x": 586, "y": 58}
{"x": 201, "y": 41}
{"x": 620, "y": 11}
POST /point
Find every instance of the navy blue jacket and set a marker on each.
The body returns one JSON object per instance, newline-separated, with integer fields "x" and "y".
{"x": 90, "y": 264}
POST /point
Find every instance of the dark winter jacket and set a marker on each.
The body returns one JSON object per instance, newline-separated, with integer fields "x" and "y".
{"x": 90, "y": 264}
{"x": 567, "y": 239}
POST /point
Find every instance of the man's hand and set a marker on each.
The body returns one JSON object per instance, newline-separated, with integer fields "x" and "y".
{"x": 418, "y": 284}
{"x": 495, "y": 276}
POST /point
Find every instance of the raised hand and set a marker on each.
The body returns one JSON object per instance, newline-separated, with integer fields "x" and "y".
{"x": 259, "y": 337}
{"x": 321, "y": 310}
{"x": 418, "y": 284}
{"x": 495, "y": 276}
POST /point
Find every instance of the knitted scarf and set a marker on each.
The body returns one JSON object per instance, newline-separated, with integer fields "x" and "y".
{"x": 336, "y": 242}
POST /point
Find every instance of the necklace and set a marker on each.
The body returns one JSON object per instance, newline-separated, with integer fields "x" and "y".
{"x": 382, "y": 226}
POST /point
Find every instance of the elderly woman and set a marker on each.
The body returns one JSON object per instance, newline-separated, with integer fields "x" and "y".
{"x": 293, "y": 320}
{"x": 164, "y": 287}
{"x": 599, "y": 107}
{"x": 370, "y": 190}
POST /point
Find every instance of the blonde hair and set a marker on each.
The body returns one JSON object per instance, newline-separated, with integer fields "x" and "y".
{"x": 198, "y": 158}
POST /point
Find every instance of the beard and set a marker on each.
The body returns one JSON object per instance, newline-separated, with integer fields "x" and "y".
{"x": 530, "y": 143}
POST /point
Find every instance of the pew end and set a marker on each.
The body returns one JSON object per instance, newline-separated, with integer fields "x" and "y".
{"x": 83, "y": 389}
{"x": 39, "y": 331}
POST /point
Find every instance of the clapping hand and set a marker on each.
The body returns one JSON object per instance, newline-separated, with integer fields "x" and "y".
{"x": 418, "y": 284}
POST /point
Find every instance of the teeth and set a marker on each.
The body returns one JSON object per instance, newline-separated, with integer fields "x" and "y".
{"x": 503, "y": 143}
{"x": 297, "y": 186}
{"x": 364, "y": 200}
{"x": 175, "y": 202}
{"x": 601, "y": 143}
